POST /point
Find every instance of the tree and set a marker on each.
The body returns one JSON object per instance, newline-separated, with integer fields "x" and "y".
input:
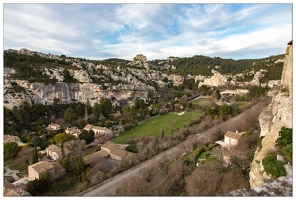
{"x": 34, "y": 156}
{"x": 76, "y": 164}
{"x": 106, "y": 106}
{"x": 108, "y": 123}
{"x": 139, "y": 103}
{"x": 257, "y": 91}
{"x": 11, "y": 149}
{"x": 61, "y": 138}
{"x": 34, "y": 141}
{"x": 67, "y": 74}
{"x": 38, "y": 186}
{"x": 96, "y": 110}
{"x": 88, "y": 136}
{"x": 69, "y": 114}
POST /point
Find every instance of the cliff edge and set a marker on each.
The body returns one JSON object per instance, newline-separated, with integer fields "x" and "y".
{"x": 276, "y": 115}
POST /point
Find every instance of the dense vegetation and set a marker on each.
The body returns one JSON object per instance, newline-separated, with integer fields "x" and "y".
{"x": 271, "y": 164}
{"x": 202, "y": 65}
{"x": 28, "y": 66}
{"x": 284, "y": 142}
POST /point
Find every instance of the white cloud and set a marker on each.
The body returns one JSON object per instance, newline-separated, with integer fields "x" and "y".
{"x": 156, "y": 30}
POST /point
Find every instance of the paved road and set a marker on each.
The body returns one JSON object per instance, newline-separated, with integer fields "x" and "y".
{"x": 245, "y": 120}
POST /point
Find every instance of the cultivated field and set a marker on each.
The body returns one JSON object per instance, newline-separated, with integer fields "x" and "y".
{"x": 169, "y": 123}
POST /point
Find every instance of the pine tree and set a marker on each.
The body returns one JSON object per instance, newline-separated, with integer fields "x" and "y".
{"x": 34, "y": 156}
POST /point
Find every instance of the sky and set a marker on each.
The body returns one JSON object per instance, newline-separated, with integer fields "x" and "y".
{"x": 99, "y": 31}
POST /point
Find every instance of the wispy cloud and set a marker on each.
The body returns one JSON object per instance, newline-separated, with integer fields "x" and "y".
{"x": 99, "y": 31}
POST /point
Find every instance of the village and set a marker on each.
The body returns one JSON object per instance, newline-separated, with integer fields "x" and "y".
{"x": 50, "y": 158}
{"x": 109, "y": 153}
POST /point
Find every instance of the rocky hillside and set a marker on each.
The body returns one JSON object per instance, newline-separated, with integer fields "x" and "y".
{"x": 278, "y": 114}
{"x": 40, "y": 78}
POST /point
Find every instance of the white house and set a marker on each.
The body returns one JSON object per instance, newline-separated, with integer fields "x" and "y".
{"x": 54, "y": 152}
{"x": 74, "y": 131}
{"x": 99, "y": 131}
{"x": 232, "y": 138}
{"x": 53, "y": 126}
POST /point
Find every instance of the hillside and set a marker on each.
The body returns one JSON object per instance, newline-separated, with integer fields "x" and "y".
{"x": 40, "y": 78}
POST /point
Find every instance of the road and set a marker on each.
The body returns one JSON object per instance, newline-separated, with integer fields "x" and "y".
{"x": 244, "y": 120}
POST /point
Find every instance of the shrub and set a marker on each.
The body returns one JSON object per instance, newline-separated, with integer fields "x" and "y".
{"x": 284, "y": 142}
{"x": 259, "y": 142}
{"x": 11, "y": 149}
{"x": 272, "y": 166}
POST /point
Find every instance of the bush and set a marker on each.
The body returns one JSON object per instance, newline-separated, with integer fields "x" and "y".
{"x": 11, "y": 149}
{"x": 132, "y": 148}
{"x": 284, "y": 142}
{"x": 273, "y": 167}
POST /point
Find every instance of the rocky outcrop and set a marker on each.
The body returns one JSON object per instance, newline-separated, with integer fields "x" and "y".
{"x": 279, "y": 187}
{"x": 214, "y": 81}
{"x": 277, "y": 114}
{"x": 95, "y": 80}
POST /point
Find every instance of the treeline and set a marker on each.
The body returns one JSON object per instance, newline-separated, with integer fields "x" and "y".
{"x": 202, "y": 65}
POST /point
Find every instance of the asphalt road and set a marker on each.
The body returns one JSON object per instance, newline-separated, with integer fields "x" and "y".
{"x": 245, "y": 120}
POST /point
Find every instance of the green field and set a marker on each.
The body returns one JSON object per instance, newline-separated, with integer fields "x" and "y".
{"x": 202, "y": 101}
{"x": 242, "y": 103}
{"x": 169, "y": 122}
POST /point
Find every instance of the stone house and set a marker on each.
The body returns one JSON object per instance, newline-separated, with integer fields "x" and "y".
{"x": 53, "y": 127}
{"x": 232, "y": 138}
{"x": 99, "y": 131}
{"x": 119, "y": 154}
{"x": 55, "y": 152}
{"x": 94, "y": 158}
{"x": 11, "y": 138}
{"x": 55, "y": 168}
{"x": 109, "y": 146}
{"x": 74, "y": 131}
{"x": 11, "y": 190}
{"x": 115, "y": 151}
{"x": 88, "y": 127}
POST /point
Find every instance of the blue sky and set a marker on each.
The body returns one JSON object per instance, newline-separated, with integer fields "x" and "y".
{"x": 157, "y": 30}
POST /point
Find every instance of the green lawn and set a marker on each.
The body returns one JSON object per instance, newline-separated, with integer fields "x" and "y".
{"x": 91, "y": 150}
{"x": 241, "y": 103}
{"x": 202, "y": 102}
{"x": 19, "y": 166}
{"x": 9, "y": 161}
{"x": 169, "y": 122}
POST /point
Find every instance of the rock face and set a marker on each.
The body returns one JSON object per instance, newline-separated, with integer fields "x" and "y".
{"x": 140, "y": 58}
{"x": 216, "y": 80}
{"x": 280, "y": 187}
{"x": 277, "y": 114}
{"x": 96, "y": 81}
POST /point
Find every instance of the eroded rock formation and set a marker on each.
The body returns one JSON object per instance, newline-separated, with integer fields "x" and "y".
{"x": 277, "y": 114}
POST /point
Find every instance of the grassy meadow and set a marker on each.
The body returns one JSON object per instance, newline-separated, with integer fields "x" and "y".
{"x": 169, "y": 122}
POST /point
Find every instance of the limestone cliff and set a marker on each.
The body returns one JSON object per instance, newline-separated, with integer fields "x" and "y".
{"x": 276, "y": 115}
{"x": 92, "y": 80}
